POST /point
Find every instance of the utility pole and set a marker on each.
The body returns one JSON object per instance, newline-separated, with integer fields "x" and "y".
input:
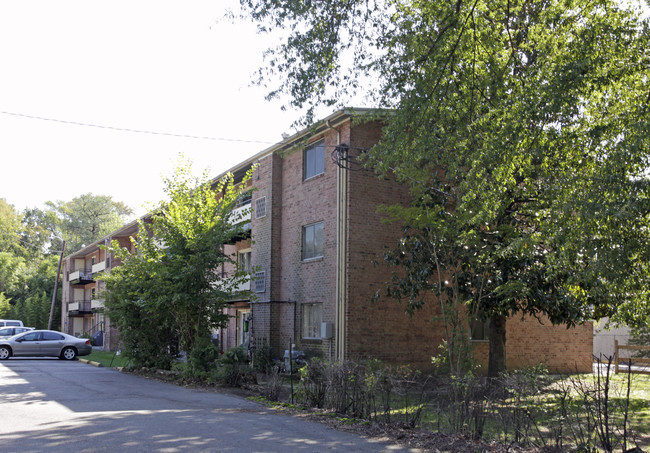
{"x": 56, "y": 288}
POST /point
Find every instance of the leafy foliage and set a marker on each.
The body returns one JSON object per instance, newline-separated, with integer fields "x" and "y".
{"x": 521, "y": 128}
{"x": 88, "y": 217}
{"x": 168, "y": 296}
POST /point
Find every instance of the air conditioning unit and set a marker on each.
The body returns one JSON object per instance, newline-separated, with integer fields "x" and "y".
{"x": 326, "y": 330}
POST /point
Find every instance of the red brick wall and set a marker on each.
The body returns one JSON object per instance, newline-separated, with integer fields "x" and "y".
{"x": 530, "y": 342}
{"x": 381, "y": 329}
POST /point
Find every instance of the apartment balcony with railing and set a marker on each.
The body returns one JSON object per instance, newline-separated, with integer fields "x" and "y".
{"x": 79, "y": 307}
{"x": 81, "y": 277}
{"x": 242, "y": 211}
{"x": 99, "y": 267}
{"x": 96, "y": 304}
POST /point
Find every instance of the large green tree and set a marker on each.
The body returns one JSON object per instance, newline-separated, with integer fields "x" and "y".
{"x": 10, "y": 229}
{"x": 88, "y": 217}
{"x": 522, "y": 128}
{"x": 27, "y": 271}
{"x": 169, "y": 295}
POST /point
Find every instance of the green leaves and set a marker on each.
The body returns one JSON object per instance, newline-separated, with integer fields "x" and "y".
{"x": 521, "y": 128}
{"x": 169, "y": 294}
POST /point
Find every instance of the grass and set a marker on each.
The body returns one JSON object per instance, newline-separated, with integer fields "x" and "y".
{"x": 540, "y": 413}
{"x": 107, "y": 358}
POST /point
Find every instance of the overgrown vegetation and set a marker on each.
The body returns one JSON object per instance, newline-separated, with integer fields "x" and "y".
{"x": 529, "y": 408}
{"x": 167, "y": 295}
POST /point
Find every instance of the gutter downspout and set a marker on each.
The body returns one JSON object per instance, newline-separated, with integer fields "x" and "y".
{"x": 341, "y": 251}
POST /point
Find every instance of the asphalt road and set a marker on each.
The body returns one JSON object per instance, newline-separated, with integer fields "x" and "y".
{"x": 50, "y": 405}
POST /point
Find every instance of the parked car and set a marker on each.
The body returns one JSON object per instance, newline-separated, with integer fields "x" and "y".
{"x": 44, "y": 343}
{"x": 11, "y": 322}
{"x": 7, "y": 332}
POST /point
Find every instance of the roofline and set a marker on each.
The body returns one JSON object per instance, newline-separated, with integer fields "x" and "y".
{"x": 338, "y": 117}
{"x": 335, "y": 119}
{"x": 95, "y": 245}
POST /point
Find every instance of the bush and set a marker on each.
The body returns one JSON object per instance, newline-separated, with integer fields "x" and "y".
{"x": 202, "y": 358}
{"x": 234, "y": 369}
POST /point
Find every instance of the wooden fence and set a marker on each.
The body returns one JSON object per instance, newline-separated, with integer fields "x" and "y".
{"x": 642, "y": 363}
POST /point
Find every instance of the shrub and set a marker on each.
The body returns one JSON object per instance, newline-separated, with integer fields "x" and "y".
{"x": 234, "y": 369}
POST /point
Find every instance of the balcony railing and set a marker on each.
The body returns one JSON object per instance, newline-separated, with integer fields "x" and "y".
{"x": 82, "y": 275}
{"x": 79, "y": 306}
{"x": 96, "y": 304}
{"x": 236, "y": 291}
{"x": 241, "y": 214}
{"x": 98, "y": 267}
{"x": 245, "y": 285}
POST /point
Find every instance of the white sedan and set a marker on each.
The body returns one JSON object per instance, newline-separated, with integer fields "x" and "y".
{"x": 44, "y": 343}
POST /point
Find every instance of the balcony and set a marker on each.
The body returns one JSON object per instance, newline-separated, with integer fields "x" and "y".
{"x": 241, "y": 213}
{"x": 244, "y": 286}
{"x": 239, "y": 292}
{"x": 96, "y": 304}
{"x": 98, "y": 267}
{"x": 79, "y": 308}
{"x": 81, "y": 277}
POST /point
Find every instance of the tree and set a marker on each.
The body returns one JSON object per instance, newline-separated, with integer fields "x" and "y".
{"x": 10, "y": 228}
{"x": 521, "y": 128}
{"x": 169, "y": 295}
{"x": 88, "y": 217}
{"x": 39, "y": 232}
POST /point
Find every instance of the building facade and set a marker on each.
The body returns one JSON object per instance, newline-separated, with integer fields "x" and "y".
{"x": 82, "y": 286}
{"x": 315, "y": 255}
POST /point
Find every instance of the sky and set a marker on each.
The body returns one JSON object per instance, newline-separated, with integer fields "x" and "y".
{"x": 170, "y": 69}
{"x": 173, "y": 70}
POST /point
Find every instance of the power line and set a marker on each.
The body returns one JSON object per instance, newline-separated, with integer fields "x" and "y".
{"x": 137, "y": 131}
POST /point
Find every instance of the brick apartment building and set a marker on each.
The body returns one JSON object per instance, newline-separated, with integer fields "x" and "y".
{"x": 315, "y": 254}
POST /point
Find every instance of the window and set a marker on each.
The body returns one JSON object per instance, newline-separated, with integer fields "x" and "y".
{"x": 312, "y": 241}
{"x": 479, "y": 329}
{"x": 52, "y": 336}
{"x": 260, "y": 207}
{"x": 312, "y": 316}
{"x": 314, "y": 159}
{"x": 244, "y": 261}
{"x": 32, "y": 336}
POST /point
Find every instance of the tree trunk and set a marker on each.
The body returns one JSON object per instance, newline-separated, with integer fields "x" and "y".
{"x": 497, "y": 359}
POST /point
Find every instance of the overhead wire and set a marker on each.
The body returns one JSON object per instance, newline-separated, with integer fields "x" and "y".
{"x": 137, "y": 131}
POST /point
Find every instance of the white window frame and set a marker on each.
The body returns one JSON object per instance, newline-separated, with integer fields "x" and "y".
{"x": 314, "y": 159}
{"x": 312, "y": 248}
{"x": 311, "y": 319}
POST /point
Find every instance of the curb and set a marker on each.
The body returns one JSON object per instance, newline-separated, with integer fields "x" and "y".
{"x": 90, "y": 362}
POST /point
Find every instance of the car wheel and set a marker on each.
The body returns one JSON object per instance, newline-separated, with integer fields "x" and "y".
{"x": 5, "y": 352}
{"x": 69, "y": 353}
